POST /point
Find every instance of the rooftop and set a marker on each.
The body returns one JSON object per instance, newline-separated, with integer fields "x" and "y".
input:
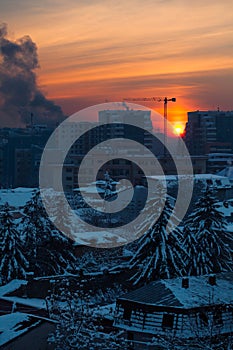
{"x": 14, "y": 325}
{"x": 169, "y": 293}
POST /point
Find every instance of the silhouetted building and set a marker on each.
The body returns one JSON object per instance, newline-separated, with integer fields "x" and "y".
{"x": 209, "y": 132}
{"x": 20, "y": 153}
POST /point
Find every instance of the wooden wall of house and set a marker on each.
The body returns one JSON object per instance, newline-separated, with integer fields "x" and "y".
{"x": 184, "y": 325}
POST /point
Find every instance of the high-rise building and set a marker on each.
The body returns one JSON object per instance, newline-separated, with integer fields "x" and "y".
{"x": 209, "y": 132}
{"x": 128, "y": 124}
{"x": 20, "y": 153}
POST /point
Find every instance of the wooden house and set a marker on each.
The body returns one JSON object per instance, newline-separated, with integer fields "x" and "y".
{"x": 179, "y": 309}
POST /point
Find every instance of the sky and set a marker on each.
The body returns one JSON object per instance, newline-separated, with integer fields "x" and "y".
{"x": 96, "y": 51}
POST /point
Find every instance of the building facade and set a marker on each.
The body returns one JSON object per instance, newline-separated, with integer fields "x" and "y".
{"x": 209, "y": 132}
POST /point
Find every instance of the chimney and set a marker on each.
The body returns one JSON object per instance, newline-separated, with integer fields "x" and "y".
{"x": 212, "y": 280}
{"x": 185, "y": 282}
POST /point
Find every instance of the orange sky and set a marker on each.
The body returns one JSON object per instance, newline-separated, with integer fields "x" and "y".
{"x": 93, "y": 51}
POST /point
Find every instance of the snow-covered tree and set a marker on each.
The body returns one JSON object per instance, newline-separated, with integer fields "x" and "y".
{"x": 206, "y": 238}
{"x": 78, "y": 326}
{"x": 62, "y": 218}
{"x": 49, "y": 251}
{"x": 108, "y": 186}
{"x": 160, "y": 254}
{"x": 13, "y": 260}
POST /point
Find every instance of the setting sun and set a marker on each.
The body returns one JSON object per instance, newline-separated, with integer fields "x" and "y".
{"x": 178, "y": 130}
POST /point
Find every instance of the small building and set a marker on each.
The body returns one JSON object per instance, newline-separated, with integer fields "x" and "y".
{"x": 182, "y": 309}
{"x": 218, "y": 161}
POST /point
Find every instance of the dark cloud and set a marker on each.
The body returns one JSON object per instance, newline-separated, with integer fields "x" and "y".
{"x": 19, "y": 92}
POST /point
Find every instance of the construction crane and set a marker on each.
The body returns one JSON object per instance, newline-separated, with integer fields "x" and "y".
{"x": 157, "y": 99}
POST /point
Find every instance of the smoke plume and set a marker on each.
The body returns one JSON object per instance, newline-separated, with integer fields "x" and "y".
{"x": 20, "y": 95}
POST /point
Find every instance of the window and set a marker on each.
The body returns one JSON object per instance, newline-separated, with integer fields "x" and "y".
{"x": 209, "y": 182}
{"x": 217, "y": 317}
{"x": 168, "y": 320}
{"x": 204, "y": 318}
{"x": 127, "y": 313}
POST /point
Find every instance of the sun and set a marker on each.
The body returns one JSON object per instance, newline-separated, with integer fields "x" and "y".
{"x": 178, "y": 129}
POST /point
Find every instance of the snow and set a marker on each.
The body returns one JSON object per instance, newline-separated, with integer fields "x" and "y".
{"x": 33, "y": 302}
{"x": 99, "y": 237}
{"x": 228, "y": 172}
{"x": 91, "y": 189}
{"x": 218, "y": 181}
{"x": 222, "y": 209}
{"x": 17, "y": 197}
{"x": 106, "y": 311}
{"x": 11, "y": 287}
{"x": 200, "y": 292}
{"x": 11, "y": 326}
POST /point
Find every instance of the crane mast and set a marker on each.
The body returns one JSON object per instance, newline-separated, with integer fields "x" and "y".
{"x": 157, "y": 99}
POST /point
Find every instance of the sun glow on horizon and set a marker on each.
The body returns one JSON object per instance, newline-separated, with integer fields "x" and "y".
{"x": 178, "y": 129}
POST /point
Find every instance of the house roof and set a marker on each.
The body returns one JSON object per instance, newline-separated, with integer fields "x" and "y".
{"x": 169, "y": 293}
{"x": 11, "y": 286}
{"x": 14, "y": 325}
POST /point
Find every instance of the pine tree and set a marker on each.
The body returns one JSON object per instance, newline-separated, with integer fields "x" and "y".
{"x": 108, "y": 186}
{"x": 62, "y": 219}
{"x": 13, "y": 261}
{"x": 49, "y": 251}
{"x": 206, "y": 238}
{"x": 160, "y": 254}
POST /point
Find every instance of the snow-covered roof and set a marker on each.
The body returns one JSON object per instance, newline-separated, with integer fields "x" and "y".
{"x": 11, "y": 286}
{"x": 227, "y": 172}
{"x": 16, "y": 197}
{"x": 215, "y": 180}
{"x": 15, "y": 324}
{"x": 195, "y": 176}
{"x": 14, "y": 285}
{"x": 169, "y": 293}
{"x": 227, "y": 211}
{"x": 32, "y": 302}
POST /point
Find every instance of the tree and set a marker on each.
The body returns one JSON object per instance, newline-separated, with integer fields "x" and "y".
{"x": 49, "y": 251}
{"x": 78, "y": 327}
{"x": 160, "y": 254}
{"x": 206, "y": 238}
{"x": 62, "y": 218}
{"x": 13, "y": 260}
{"x": 109, "y": 189}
